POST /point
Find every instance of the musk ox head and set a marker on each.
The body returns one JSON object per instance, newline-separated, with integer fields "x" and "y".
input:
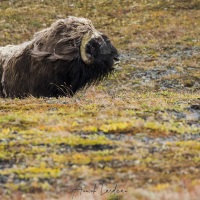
{"x": 59, "y": 60}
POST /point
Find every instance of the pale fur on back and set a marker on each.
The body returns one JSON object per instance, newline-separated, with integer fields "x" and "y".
{"x": 77, "y": 28}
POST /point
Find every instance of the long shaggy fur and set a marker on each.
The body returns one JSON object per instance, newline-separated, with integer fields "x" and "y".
{"x": 50, "y": 64}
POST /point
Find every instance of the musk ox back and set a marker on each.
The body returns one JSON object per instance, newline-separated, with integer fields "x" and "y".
{"x": 59, "y": 60}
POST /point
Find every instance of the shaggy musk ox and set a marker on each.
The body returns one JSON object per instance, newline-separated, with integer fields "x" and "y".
{"x": 59, "y": 60}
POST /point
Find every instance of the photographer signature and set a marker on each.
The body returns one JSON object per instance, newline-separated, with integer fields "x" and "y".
{"x": 103, "y": 189}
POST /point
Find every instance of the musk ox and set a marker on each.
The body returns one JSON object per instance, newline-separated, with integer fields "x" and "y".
{"x": 59, "y": 60}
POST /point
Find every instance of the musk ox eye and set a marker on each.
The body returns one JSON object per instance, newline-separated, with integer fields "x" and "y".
{"x": 93, "y": 48}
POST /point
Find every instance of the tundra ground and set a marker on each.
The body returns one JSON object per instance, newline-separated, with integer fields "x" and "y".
{"x": 139, "y": 129}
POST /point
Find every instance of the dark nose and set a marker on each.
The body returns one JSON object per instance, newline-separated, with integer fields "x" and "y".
{"x": 116, "y": 59}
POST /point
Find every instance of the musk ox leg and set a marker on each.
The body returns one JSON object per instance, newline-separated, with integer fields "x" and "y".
{"x": 1, "y": 86}
{"x": 4, "y": 94}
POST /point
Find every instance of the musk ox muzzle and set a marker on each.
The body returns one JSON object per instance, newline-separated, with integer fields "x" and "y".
{"x": 60, "y": 60}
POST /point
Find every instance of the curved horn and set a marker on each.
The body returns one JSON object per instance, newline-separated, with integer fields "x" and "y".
{"x": 87, "y": 58}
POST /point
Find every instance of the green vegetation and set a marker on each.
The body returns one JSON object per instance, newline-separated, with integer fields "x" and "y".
{"x": 140, "y": 128}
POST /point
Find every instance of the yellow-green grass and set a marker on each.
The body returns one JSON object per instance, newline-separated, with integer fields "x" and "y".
{"x": 127, "y": 131}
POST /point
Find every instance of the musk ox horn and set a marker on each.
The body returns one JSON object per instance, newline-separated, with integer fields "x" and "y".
{"x": 87, "y": 58}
